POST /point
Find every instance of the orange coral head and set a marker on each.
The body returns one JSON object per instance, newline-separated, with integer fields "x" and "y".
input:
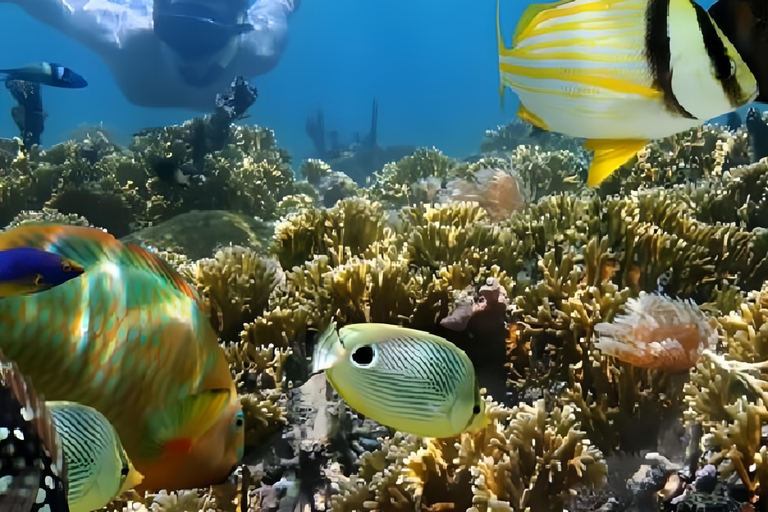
{"x": 658, "y": 332}
{"x": 188, "y": 463}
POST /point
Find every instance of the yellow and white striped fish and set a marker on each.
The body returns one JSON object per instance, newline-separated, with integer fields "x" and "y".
{"x": 98, "y": 469}
{"x": 406, "y": 379}
{"x": 621, "y": 73}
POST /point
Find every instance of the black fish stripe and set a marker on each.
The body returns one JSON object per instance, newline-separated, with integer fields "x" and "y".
{"x": 85, "y": 430}
{"x": 381, "y": 388}
{"x": 412, "y": 378}
{"x": 659, "y": 56}
{"x": 718, "y": 56}
{"x": 383, "y": 385}
{"x": 442, "y": 376}
{"x": 452, "y": 364}
{"x": 83, "y": 438}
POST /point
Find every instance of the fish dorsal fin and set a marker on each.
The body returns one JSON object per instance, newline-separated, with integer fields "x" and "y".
{"x": 139, "y": 257}
{"x": 90, "y": 246}
{"x": 609, "y": 155}
{"x": 328, "y": 349}
{"x": 20, "y": 404}
{"x": 81, "y": 244}
{"x": 176, "y": 428}
{"x": 529, "y": 14}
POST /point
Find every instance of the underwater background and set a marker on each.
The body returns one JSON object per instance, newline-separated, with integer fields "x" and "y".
{"x": 584, "y": 311}
{"x": 429, "y": 64}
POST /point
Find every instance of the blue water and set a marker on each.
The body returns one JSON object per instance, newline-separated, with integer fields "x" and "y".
{"x": 431, "y": 64}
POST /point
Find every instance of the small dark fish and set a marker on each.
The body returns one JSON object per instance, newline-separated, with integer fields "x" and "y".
{"x": 174, "y": 174}
{"x": 733, "y": 121}
{"x": 757, "y": 131}
{"x": 25, "y": 270}
{"x": 46, "y": 73}
{"x": 32, "y": 470}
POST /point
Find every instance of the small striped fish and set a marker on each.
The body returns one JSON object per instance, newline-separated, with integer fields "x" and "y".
{"x": 406, "y": 379}
{"x": 621, "y": 73}
{"x": 98, "y": 470}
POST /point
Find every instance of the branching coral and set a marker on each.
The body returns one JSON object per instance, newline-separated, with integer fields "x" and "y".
{"x": 525, "y": 287}
{"x": 525, "y": 459}
{"x": 237, "y": 282}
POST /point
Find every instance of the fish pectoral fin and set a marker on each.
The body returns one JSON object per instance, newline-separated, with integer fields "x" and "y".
{"x": 609, "y": 155}
{"x": 531, "y": 118}
{"x": 176, "y": 428}
{"x": 327, "y": 349}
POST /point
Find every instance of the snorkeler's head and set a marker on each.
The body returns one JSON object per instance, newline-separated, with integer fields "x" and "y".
{"x": 201, "y": 34}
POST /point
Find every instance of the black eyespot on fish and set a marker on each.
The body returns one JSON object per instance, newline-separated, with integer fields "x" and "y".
{"x": 724, "y": 72}
{"x": 476, "y": 409}
{"x": 363, "y": 356}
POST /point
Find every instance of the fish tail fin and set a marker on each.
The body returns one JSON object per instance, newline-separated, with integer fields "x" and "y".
{"x": 23, "y": 410}
{"x": 609, "y": 155}
{"x": 327, "y": 349}
{"x": 177, "y": 428}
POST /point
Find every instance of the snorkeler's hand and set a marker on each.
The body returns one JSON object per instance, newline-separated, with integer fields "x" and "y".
{"x": 270, "y": 28}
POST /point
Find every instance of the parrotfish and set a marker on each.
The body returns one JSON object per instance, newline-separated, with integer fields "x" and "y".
{"x": 131, "y": 339}
{"x": 620, "y": 73}
{"x": 46, "y": 73}
{"x": 98, "y": 469}
{"x": 406, "y": 379}
{"x": 32, "y": 470}
{"x": 26, "y": 270}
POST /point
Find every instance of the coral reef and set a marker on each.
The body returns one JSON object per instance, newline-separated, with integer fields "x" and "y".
{"x": 556, "y": 292}
{"x": 121, "y": 189}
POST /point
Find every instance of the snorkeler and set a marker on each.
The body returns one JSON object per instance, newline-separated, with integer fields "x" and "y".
{"x": 173, "y": 53}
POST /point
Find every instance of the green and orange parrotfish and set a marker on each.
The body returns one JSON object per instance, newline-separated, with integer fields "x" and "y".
{"x": 131, "y": 339}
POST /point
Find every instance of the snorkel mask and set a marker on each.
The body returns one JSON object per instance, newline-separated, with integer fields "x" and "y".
{"x": 202, "y": 36}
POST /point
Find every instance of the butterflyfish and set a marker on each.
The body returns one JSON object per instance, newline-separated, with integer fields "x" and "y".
{"x": 405, "y": 379}
{"x": 46, "y": 73}
{"x": 32, "y": 469}
{"x": 25, "y": 270}
{"x": 621, "y": 73}
{"x": 98, "y": 469}
{"x": 131, "y": 339}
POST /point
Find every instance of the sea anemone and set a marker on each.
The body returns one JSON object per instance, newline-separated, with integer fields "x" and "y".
{"x": 657, "y": 332}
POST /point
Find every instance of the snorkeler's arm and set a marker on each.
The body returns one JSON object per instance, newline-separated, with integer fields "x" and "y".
{"x": 262, "y": 47}
{"x": 99, "y": 24}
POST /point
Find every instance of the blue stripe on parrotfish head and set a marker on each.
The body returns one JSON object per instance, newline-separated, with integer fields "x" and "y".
{"x": 29, "y": 270}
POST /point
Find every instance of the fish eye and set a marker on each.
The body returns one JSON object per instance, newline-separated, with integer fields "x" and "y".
{"x": 723, "y": 74}
{"x": 476, "y": 409}
{"x": 239, "y": 419}
{"x": 66, "y": 267}
{"x": 363, "y": 356}
{"x": 124, "y": 471}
